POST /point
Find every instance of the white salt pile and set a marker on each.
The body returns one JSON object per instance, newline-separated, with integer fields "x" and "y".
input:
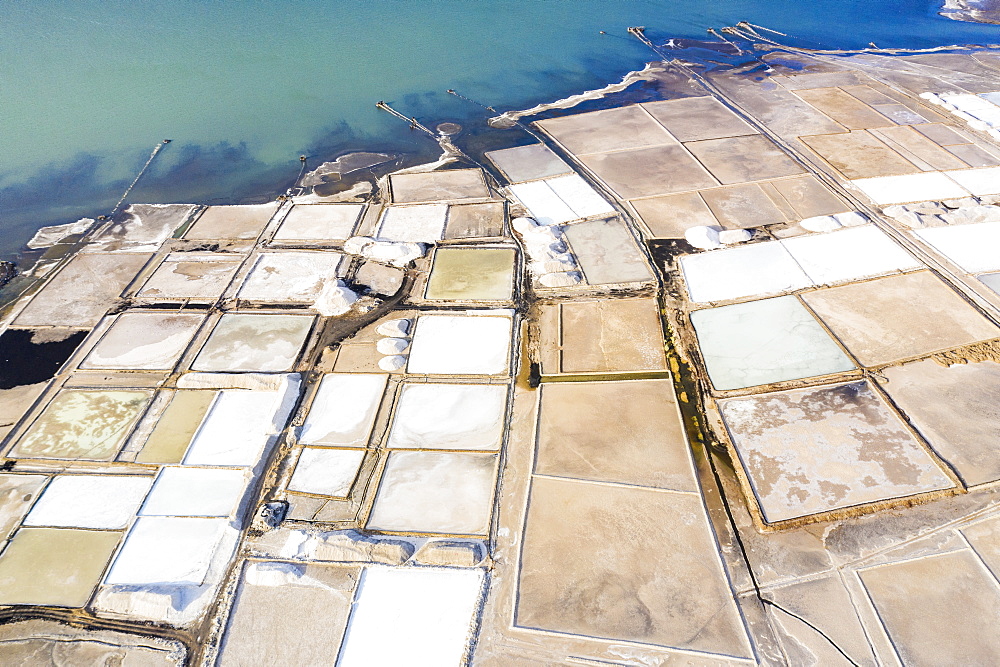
{"x": 388, "y": 252}
{"x": 336, "y": 298}
{"x": 550, "y": 262}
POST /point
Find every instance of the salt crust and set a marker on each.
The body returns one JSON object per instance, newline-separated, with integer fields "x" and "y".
{"x": 185, "y": 491}
{"x": 849, "y": 254}
{"x": 780, "y": 266}
{"x": 144, "y": 340}
{"x": 415, "y": 616}
{"x": 49, "y": 236}
{"x": 344, "y": 409}
{"x": 460, "y": 345}
{"x": 975, "y": 247}
{"x": 167, "y": 551}
{"x": 762, "y": 268}
{"x": 260, "y": 381}
{"x": 239, "y": 425}
{"x": 254, "y": 342}
{"x": 579, "y": 196}
{"x": 319, "y": 222}
{"x": 291, "y": 276}
{"x": 545, "y": 205}
{"x": 449, "y": 416}
{"x": 910, "y": 188}
{"x": 562, "y": 199}
{"x": 89, "y": 501}
{"x": 422, "y": 223}
{"x": 979, "y": 182}
{"x": 326, "y": 472}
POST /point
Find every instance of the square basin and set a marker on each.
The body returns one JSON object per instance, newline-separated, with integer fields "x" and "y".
{"x": 144, "y": 341}
{"x": 821, "y": 449}
{"x": 442, "y": 493}
{"x": 191, "y": 275}
{"x": 898, "y": 317}
{"x": 326, "y": 472}
{"x": 291, "y": 277}
{"x": 440, "y": 185}
{"x": 58, "y": 567}
{"x": 472, "y": 274}
{"x": 254, "y": 342}
{"x": 421, "y": 223}
{"x": 449, "y": 416}
{"x": 232, "y": 222}
{"x": 343, "y": 412}
{"x": 319, "y": 222}
{"x": 89, "y": 501}
{"x": 189, "y": 491}
{"x": 83, "y": 424}
{"x": 461, "y": 345}
{"x": 167, "y": 551}
{"x": 528, "y": 163}
{"x": 760, "y": 342}
{"x": 624, "y": 432}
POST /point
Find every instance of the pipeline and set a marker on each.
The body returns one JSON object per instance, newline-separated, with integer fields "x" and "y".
{"x": 414, "y": 123}
{"x": 156, "y": 151}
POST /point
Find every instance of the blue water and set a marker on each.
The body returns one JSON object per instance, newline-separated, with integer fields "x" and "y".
{"x": 243, "y": 88}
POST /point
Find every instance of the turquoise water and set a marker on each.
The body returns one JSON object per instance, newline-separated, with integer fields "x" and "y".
{"x": 244, "y": 88}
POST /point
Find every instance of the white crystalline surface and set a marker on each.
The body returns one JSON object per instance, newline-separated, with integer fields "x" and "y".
{"x": 414, "y": 616}
{"x": 49, "y": 236}
{"x": 858, "y": 252}
{"x": 443, "y": 493}
{"x": 460, "y": 345}
{"x": 296, "y": 277}
{"x": 89, "y": 501}
{"x": 579, "y": 196}
{"x": 979, "y": 182}
{"x": 335, "y": 298}
{"x": 561, "y": 199}
{"x": 449, "y": 416}
{"x": 545, "y": 205}
{"x": 237, "y": 428}
{"x": 184, "y": 491}
{"x": 975, "y": 247}
{"x": 344, "y": 409}
{"x": 930, "y": 185}
{"x": 319, "y": 222}
{"x": 167, "y": 551}
{"x": 326, "y": 472}
{"x": 153, "y": 341}
{"x": 254, "y": 342}
{"x": 733, "y": 273}
{"x": 423, "y": 223}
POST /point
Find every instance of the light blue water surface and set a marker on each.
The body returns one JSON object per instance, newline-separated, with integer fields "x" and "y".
{"x": 243, "y": 88}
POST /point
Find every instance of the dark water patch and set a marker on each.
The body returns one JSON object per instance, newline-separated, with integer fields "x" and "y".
{"x": 30, "y": 356}
{"x": 54, "y": 195}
